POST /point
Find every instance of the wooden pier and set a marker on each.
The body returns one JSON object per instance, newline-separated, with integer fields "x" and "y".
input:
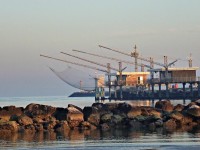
{"x": 181, "y": 93}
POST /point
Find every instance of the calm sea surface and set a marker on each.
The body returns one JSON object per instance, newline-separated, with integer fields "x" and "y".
{"x": 96, "y": 139}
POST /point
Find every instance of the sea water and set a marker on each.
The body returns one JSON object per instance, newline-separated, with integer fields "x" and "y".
{"x": 96, "y": 139}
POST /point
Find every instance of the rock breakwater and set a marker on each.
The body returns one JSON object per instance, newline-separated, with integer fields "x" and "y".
{"x": 43, "y": 118}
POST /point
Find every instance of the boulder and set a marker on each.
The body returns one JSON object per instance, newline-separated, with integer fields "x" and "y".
{"x": 179, "y": 107}
{"x": 111, "y": 106}
{"x": 141, "y": 118}
{"x": 38, "y": 110}
{"x": 74, "y": 117}
{"x": 186, "y": 120}
{"x": 49, "y": 126}
{"x": 9, "y": 126}
{"x": 94, "y": 119}
{"x": 62, "y": 126}
{"x": 29, "y": 128}
{"x": 197, "y": 102}
{"x": 189, "y": 105}
{"x": 194, "y": 106}
{"x": 106, "y": 117}
{"x": 144, "y": 112}
{"x": 60, "y": 113}
{"x": 98, "y": 105}
{"x": 176, "y": 115}
{"x": 165, "y": 105}
{"x": 8, "y": 111}
{"x": 170, "y": 124}
{"x": 149, "y": 119}
{"x": 124, "y": 107}
{"x": 193, "y": 111}
{"x": 24, "y": 120}
{"x": 133, "y": 112}
{"x": 91, "y": 115}
{"x": 38, "y": 127}
{"x": 85, "y": 125}
{"x": 155, "y": 112}
{"x": 117, "y": 119}
{"x": 38, "y": 120}
{"x": 71, "y": 105}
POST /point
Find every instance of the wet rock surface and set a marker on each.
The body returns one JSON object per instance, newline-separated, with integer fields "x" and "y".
{"x": 42, "y": 118}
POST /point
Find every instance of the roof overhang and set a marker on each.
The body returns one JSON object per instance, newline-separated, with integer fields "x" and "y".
{"x": 174, "y": 69}
{"x": 134, "y": 73}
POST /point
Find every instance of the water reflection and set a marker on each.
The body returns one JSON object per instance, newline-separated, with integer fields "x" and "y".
{"x": 78, "y": 135}
{"x": 152, "y": 103}
{"x": 94, "y": 139}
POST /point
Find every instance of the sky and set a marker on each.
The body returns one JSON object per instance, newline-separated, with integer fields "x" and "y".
{"x": 29, "y": 28}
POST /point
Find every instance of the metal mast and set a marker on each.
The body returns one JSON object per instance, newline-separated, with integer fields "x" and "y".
{"x": 135, "y": 55}
{"x": 190, "y": 60}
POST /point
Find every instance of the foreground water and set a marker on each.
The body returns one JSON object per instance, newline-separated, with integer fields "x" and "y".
{"x": 96, "y": 139}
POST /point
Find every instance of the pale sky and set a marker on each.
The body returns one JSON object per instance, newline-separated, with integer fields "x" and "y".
{"x": 29, "y": 28}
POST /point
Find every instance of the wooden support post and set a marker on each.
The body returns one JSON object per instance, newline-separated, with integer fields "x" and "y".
{"x": 120, "y": 80}
{"x": 109, "y": 81}
{"x": 96, "y": 94}
{"x": 198, "y": 89}
{"x": 96, "y": 90}
{"x": 102, "y": 93}
{"x": 152, "y": 93}
{"x": 159, "y": 91}
{"x": 149, "y": 91}
{"x": 191, "y": 90}
{"x": 167, "y": 90}
{"x": 115, "y": 92}
{"x": 184, "y": 94}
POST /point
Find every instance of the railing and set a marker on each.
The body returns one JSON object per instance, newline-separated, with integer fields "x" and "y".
{"x": 174, "y": 80}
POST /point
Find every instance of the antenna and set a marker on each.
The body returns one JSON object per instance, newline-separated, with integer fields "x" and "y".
{"x": 136, "y": 54}
{"x": 190, "y": 60}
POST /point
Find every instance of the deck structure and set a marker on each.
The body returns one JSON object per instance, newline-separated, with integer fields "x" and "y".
{"x": 175, "y": 76}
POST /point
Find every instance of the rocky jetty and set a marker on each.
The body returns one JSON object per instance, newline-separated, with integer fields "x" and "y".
{"x": 44, "y": 118}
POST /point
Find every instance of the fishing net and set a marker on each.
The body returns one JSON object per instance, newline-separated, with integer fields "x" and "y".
{"x": 77, "y": 78}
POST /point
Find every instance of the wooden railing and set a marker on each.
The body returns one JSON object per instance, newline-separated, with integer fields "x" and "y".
{"x": 174, "y": 80}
